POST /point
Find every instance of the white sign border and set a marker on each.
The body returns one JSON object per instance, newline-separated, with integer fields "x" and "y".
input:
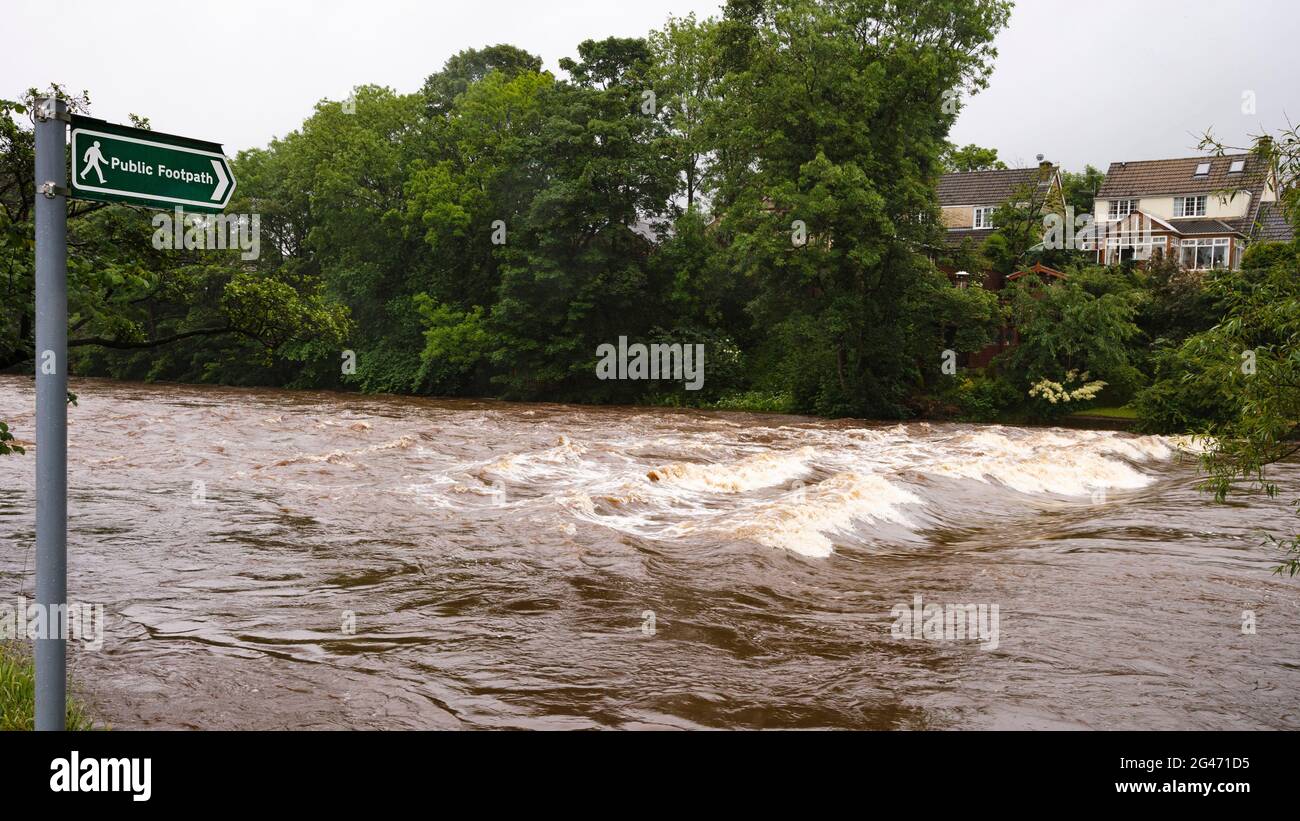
{"x": 76, "y": 186}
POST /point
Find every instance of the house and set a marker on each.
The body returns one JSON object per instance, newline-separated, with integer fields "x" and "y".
{"x": 968, "y": 200}
{"x": 1201, "y": 210}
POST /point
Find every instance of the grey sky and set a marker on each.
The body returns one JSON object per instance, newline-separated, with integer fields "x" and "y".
{"x": 1082, "y": 82}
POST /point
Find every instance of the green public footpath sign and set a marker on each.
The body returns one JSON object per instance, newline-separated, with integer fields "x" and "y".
{"x": 113, "y": 163}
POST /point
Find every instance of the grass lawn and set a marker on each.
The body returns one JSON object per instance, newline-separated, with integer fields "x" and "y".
{"x": 1125, "y": 412}
{"x": 18, "y": 692}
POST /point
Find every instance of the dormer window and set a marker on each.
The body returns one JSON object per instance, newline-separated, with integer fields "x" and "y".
{"x": 1237, "y": 167}
{"x": 983, "y": 216}
{"x": 1202, "y": 170}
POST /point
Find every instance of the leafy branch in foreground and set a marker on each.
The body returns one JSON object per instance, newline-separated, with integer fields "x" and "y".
{"x": 5, "y": 439}
{"x": 1255, "y": 350}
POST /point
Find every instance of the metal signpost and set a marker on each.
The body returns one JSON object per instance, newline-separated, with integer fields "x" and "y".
{"x": 51, "y": 407}
{"x": 110, "y": 163}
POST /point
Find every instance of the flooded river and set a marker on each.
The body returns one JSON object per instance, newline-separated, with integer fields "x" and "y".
{"x": 276, "y": 559}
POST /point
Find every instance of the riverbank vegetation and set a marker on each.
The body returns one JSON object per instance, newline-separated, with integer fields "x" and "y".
{"x": 762, "y": 184}
{"x": 18, "y": 693}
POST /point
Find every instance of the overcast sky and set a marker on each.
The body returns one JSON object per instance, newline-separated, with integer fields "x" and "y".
{"x": 1082, "y": 82}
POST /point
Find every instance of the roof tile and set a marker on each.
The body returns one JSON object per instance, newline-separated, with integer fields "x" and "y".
{"x": 987, "y": 187}
{"x": 1154, "y": 177}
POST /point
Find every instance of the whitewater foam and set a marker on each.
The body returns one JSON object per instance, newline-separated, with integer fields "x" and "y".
{"x": 750, "y": 473}
{"x": 801, "y": 520}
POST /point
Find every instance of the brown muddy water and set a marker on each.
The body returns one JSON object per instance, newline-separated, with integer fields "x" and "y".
{"x": 548, "y": 566}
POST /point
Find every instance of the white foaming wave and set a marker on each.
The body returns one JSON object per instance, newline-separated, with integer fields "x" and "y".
{"x": 623, "y": 512}
{"x": 1138, "y": 448}
{"x": 868, "y": 467}
{"x": 1050, "y": 461}
{"x": 800, "y": 521}
{"x": 564, "y": 454}
{"x": 750, "y": 473}
{"x": 1068, "y": 473}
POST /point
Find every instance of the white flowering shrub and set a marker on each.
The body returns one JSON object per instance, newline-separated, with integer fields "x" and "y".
{"x": 1072, "y": 391}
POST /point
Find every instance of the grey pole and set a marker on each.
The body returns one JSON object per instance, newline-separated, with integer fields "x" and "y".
{"x": 51, "y": 409}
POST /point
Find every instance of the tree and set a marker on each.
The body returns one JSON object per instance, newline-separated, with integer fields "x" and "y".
{"x": 1069, "y": 339}
{"x": 971, "y": 157}
{"x": 468, "y": 67}
{"x": 1017, "y": 238}
{"x": 1080, "y": 188}
{"x": 1255, "y": 351}
{"x": 136, "y": 309}
{"x": 574, "y": 274}
{"x": 832, "y": 117}
{"x": 684, "y": 74}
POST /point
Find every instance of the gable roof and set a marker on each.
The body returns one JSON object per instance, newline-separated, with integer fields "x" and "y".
{"x": 990, "y": 187}
{"x": 1152, "y": 177}
{"x": 1040, "y": 269}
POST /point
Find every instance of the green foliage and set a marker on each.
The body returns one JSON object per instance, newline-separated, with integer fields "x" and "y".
{"x": 1063, "y": 329}
{"x": 1187, "y": 392}
{"x": 984, "y": 398}
{"x": 1018, "y": 228}
{"x": 1080, "y": 188}
{"x": 6, "y": 442}
{"x": 487, "y": 234}
{"x": 753, "y": 402}
{"x": 1254, "y": 350}
{"x": 469, "y": 67}
{"x": 971, "y": 157}
{"x": 804, "y": 86}
{"x": 457, "y": 347}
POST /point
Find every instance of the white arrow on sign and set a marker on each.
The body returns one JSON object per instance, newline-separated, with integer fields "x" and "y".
{"x": 222, "y": 181}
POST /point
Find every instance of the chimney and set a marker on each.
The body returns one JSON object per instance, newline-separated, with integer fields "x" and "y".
{"x": 1044, "y": 168}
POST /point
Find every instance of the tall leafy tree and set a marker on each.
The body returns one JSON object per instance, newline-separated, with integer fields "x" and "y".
{"x": 834, "y": 118}
{"x": 684, "y": 75}
{"x": 468, "y": 67}
{"x": 971, "y": 157}
{"x": 574, "y": 272}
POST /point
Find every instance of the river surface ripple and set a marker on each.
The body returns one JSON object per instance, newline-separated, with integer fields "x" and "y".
{"x": 551, "y": 566}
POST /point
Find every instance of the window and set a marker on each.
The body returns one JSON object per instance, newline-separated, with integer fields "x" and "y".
{"x": 1149, "y": 248}
{"x": 1122, "y": 208}
{"x": 984, "y": 216}
{"x": 1189, "y": 206}
{"x": 1128, "y": 246}
{"x": 1202, "y": 170}
{"x": 1204, "y": 254}
{"x": 1237, "y": 167}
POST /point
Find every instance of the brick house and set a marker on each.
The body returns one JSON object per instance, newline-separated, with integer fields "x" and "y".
{"x": 968, "y": 200}
{"x": 1202, "y": 210}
